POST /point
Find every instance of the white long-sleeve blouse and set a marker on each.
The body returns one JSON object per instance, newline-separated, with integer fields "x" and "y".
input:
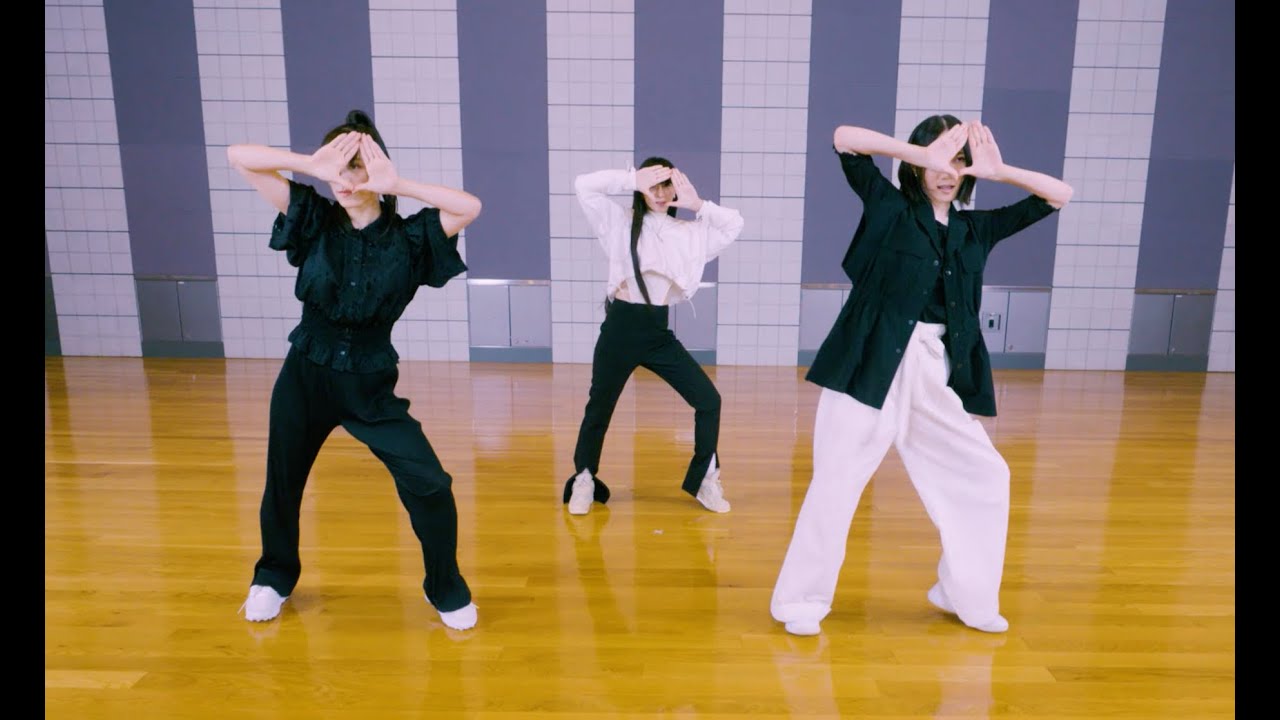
{"x": 672, "y": 252}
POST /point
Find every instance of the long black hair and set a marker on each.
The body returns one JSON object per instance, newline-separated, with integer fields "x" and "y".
{"x": 638, "y": 210}
{"x": 359, "y": 121}
{"x": 909, "y": 176}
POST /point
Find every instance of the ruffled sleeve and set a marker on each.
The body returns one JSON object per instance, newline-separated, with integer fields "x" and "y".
{"x": 433, "y": 254}
{"x": 295, "y": 231}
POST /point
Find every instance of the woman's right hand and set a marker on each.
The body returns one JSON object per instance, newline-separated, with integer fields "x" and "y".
{"x": 939, "y": 154}
{"x": 647, "y": 177}
{"x": 329, "y": 161}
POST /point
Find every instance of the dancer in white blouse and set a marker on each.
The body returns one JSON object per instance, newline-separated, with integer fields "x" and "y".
{"x": 655, "y": 261}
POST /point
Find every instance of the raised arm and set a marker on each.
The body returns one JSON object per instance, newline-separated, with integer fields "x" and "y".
{"x": 261, "y": 166}
{"x": 593, "y": 190}
{"x": 936, "y": 156}
{"x": 988, "y": 165}
{"x": 458, "y": 208}
{"x": 722, "y": 224}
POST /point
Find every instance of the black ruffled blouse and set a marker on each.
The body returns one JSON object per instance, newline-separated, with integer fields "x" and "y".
{"x": 355, "y": 284}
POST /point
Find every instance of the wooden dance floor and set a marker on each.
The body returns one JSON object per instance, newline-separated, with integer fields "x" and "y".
{"x": 1119, "y": 582}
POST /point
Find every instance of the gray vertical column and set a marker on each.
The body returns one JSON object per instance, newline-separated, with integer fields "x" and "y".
{"x": 1193, "y": 147}
{"x": 679, "y": 61}
{"x": 1025, "y": 102}
{"x": 853, "y": 80}
{"x": 504, "y": 136}
{"x": 1222, "y": 343}
{"x": 1189, "y": 188}
{"x": 162, "y": 156}
{"x": 328, "y": 67}
{"x": 504, "y": 150}
{"x": 678, "y": 74}
{"x": 52, "y": 346}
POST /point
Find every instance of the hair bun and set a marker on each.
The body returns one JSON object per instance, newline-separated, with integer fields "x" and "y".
{"x": 360, "y": 119}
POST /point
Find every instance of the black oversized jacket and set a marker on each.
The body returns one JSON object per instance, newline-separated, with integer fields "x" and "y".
{"x": 894, "y": 263}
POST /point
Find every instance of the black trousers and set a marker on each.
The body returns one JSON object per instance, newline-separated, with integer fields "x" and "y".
{"x": 307, "y": 403}
{"x": 635, "y": 335}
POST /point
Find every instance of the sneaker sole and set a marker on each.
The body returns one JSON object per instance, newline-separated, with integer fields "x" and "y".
{"x": 264, "y": 618}
{"x": 456, "y": 627}
{"x": 803, "y": 629}
{"x": 714, "y": 510}
{"x": 940, "y": 601}
{"x": 261, "y": 619}
{"x": 994, "y": 628}
{"x": 446, "y": 622}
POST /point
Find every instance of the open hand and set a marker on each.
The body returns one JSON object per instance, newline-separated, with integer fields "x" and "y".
{"x": 647, "y": 177}
{"x": 940, "y": 152}
{"x": 330, "y": 160}
{"x": 987, "y": 163}
{"x": 686, "y": 194}
{"x": 382, "y": 174}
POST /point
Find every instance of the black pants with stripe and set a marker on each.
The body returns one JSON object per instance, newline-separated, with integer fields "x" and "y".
{"x": 310, "y": 400}
{"x": 635, "y": 335}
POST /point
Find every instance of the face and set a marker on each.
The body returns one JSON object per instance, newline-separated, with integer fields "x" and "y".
{"x": 942, "y": 187}
{"x": 354, "y": 174}
{"x": 659, "y": 197}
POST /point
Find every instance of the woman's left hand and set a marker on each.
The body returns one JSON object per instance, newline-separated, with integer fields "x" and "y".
{"x": 382, "y": 174}
{"x": 686, "y": 194}
{"x": 987, "y": 163}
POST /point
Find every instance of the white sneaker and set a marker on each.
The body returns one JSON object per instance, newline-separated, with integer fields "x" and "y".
{"x": 263, "y": 603}
{"x": 464, "y": 618}
{"x": 998, "y": 625}
{"x": 584, "y": 493}
{"x": 939, "y": 598}
{"x": 711, "y": 494}
{"x": 803, "y": 627}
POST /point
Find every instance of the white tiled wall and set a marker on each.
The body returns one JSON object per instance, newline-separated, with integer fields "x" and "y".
{"x": 1222, "y": 343}
{"x": 240, "y": 49}
{"x": 84, "y": 212}
{"x": 590, "y": 126}
{"x": 1113, "y": 90}
{"x": 416, "y": 107}
{"x": 762, "y": 166}
{"x": 942, "y": 64}
{"x": 242, "y": 74}
{"x": 591, "y": 100}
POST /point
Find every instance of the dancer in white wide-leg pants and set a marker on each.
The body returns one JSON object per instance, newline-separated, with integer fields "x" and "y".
{"x": 961, "y": 478}
{"x": 905, "y": 364}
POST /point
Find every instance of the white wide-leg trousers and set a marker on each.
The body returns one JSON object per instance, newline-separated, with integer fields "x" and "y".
{"x": 960, "y": 477}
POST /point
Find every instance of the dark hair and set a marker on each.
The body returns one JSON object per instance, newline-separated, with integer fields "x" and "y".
{"x": 638, "y": 210}
{"x": 909, "y": 176}
{"x": 359, "y": 121}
